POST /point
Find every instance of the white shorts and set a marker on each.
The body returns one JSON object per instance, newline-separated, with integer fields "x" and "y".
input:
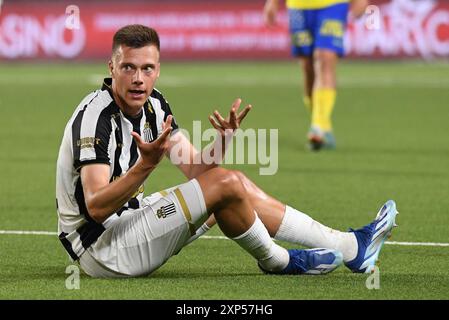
{"x": 142, "y": 240}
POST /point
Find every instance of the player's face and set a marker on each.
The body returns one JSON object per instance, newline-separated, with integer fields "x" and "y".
{"x": 134, "y": 72}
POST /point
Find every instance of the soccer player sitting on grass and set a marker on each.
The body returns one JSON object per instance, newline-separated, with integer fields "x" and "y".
{"x": 111, "y": 145}
{"x": 317, "y": 30}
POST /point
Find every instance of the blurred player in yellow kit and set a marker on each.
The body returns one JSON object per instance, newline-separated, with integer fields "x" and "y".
{"x": 317, "y": 29}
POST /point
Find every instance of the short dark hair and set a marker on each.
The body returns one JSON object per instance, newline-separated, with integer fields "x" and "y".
{"x": 135, "y": 36}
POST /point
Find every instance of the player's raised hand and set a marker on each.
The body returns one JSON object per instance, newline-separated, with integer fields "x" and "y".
{"x": 270, "y": 11}
{"x": 233, "y": 121}
{"x": 153, "y": 152}
{"x": 358, "y": 8}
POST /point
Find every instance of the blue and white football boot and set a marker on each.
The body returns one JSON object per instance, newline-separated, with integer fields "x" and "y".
{"x": 315, "y": 137}
{"x": 371, "y": 238}
{"x": 329, "y": 141}
{"x": 311, "y": 261}
{"x": 319, "y": 139}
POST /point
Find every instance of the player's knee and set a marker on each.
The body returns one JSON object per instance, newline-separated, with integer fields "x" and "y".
{"x": 325, "y": 61}
{"x": 230, "y": 184}
{"x": 307, "y": 65}
{"x": 241, "y": 176}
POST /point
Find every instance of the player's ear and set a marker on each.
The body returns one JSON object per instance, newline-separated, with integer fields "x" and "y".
{"x": 158, "y": 70}
{"x": 110, "y": 66}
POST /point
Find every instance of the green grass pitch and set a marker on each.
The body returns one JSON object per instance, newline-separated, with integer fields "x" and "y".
{"x": 391, "y": 124}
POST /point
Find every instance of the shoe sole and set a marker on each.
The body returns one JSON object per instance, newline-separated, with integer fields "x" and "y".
{"x": 391, "y": 213}
{"x": 317, "y": 143}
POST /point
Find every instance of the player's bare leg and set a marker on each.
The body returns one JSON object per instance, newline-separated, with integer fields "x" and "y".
{"x": 325, "y": 65}
{"x": 288, "y": 224}
{"x": 323, "y": 99}
{"x": 225, "y": 195}
{"x": 308, "y": 80}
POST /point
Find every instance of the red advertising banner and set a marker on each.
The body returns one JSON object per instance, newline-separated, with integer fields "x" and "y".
{"x": 206, "y": 30}
{"x": 406, "y": 28}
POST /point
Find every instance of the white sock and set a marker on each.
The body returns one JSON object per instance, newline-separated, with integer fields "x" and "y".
{"x": 257, "y": 242}
{"x": 298, "y": 227}
{"x": 199, "y": 232}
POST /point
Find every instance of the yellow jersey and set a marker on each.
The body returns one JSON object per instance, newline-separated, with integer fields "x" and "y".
{"x": 312, "y": 4}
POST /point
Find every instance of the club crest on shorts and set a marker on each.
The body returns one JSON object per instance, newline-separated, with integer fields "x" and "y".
{"x": 165, "y": 211}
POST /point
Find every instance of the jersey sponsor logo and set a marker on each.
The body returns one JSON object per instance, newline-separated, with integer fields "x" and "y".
{"x": 88, "y": 142}
{"x": 165, "y": 211}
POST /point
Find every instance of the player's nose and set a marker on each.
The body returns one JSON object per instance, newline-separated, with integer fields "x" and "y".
{"x": 137, "y": 78}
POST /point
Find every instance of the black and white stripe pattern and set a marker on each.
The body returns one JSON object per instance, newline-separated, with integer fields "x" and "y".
{"x": 164, "y": 211}
{"x": 147, "y": 133}
{"x": 99, "y": 132}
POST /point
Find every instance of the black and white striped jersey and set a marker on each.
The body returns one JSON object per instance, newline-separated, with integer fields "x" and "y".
{"x": 98, "y": 132}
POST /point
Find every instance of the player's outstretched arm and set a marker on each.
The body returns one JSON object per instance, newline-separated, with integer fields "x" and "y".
{"x": 270, "y": 11}
{"x": 104, "y": 198}
{"x": 233, "y": 121}
{"x": 152, "y": 153}
{"x": 226, "y": 129}
{"x": 193, "y": 164}
{"x": 358, "y": 7}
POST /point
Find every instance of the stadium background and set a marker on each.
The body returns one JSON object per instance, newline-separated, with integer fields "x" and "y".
{"x": 391, "y": 121}
{"x": 198, "y": 30}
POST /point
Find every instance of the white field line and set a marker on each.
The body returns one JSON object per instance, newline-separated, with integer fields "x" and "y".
{"x": 395, "y": 243}
{"x": 428, "y": 244}
{"x": 19, "y": 232}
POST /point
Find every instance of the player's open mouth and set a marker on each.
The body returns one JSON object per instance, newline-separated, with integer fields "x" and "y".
{"x": 137, "y": 94}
